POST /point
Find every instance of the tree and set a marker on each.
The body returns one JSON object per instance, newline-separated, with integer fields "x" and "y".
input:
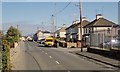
{"x": 6, "y": 65}
{"x": 13, "y": 35}
{"x": 8, "y": 40}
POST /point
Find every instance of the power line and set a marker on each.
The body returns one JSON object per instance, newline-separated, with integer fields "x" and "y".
{"x": 63, "y": 8}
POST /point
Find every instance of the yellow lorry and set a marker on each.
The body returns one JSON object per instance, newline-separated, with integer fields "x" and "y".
{"x": 49, "y": 41}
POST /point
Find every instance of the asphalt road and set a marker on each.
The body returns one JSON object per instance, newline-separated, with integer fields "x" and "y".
{"x": 35, "y": 57}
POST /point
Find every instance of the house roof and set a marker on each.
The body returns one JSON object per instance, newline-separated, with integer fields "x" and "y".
{"x": 84, "y": 23}
{"x": 43, "y": 31}
{"x": 119, "y": 26}
{"x": 63, "y": 29}
{"x": 101, "y": 22}
{"x": 70, "y": 26}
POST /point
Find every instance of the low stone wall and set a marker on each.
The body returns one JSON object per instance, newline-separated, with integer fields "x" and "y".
{"x": 71, "y": 45}
{"x": 15, "y": 45}
{"x": 63, "y": 44}
{"x": 115, "y": 54}
{"x": 14, "y": 50}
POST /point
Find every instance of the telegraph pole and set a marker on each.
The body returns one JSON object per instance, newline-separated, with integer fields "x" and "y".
{"x": 17, "y": 26}
{"x": 80, "y": 3}
{"x": 42, "y": 26}
{"x": 53, "y": 23}
{"x": 37, "y": 28}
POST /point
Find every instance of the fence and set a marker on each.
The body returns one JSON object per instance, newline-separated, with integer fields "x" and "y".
{"x": 102, "y": 40}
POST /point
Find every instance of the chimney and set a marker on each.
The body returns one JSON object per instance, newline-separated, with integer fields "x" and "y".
{"x": 64, "y": 25}
{"x": 75, "y": 22}
{"x": 99, "y": 16}
{"x": 84, "y": 18}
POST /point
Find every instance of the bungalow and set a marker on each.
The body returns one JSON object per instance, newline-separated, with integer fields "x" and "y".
{"x": 99, "y": 31}
{"x": 72, "y": 32}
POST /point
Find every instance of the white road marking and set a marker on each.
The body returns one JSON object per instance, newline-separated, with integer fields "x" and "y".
{"x": 50, "y": 56}
{"x": 45, "y": 53}
{"x": 57, "y": 62}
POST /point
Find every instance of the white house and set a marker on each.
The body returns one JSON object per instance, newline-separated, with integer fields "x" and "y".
{"x": 22, "y": 38}
{"x": 72, "y": 32}
{"x": 41, "y": 35}
{"x": 61, "y": 32}
{"x": 46, "y": 34}
{"x": 29, "y": 38}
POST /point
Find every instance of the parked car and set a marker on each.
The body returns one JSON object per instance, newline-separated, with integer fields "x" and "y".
{"x": 42, "y": 41}
{"x": 38, "y": 41}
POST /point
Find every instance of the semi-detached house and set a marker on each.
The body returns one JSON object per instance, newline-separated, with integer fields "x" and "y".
{"x": 100, "y": 30}
{"x": 72, "y": 32}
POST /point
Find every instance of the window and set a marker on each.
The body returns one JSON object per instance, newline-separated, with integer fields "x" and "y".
{"x": 108, "y": 30}
{"x": 86, "y": 30}
{"x": 89, "y": 30}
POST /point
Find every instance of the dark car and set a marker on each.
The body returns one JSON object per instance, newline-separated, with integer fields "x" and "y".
{"x": 42, "y": 41}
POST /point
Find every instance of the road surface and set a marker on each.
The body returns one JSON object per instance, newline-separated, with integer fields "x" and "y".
{"x": 35, "y": 57}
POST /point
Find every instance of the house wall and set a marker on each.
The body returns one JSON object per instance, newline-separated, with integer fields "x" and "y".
{"x": 99, "y": 35}
{"x": 80, "y": 33}
{"x": 40, "y": 36}
{"x": 75, "y": 30}
{"x": 46, "y": 35}
{"x": 62, "y": 34}
{"x": 119, "y": 33}
{"x": 68, "y": 31}
{"x": 99, "y": 29}
{"x": 105, "y": 30}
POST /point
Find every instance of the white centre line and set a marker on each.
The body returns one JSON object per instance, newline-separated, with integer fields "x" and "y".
{"x": 50, "y": 56}
{"x": 57, "y": 62}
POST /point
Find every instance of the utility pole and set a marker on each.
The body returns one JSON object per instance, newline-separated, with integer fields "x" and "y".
{"x": 42, "y": 26}
{"x": 37, "y": 28}
{"x": 80, "y": 3}
{"x": 17, "y": 26}
{"x": 53, "y": 23}
{"x": 55, "y": 18}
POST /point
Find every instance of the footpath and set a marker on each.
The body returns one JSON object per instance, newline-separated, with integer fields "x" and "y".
{"x": 96, "y": 57}
{"x": 14, "y": 52}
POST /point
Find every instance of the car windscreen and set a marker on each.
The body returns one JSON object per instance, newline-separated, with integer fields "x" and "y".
{"x": 49, "y": 40}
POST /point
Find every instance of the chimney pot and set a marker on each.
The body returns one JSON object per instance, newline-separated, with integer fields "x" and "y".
{"x": 84, "y": 18}
{"x": 99, "y": 16}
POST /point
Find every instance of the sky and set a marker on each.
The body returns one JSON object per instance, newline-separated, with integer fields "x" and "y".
{"x": 30, "y": 15}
